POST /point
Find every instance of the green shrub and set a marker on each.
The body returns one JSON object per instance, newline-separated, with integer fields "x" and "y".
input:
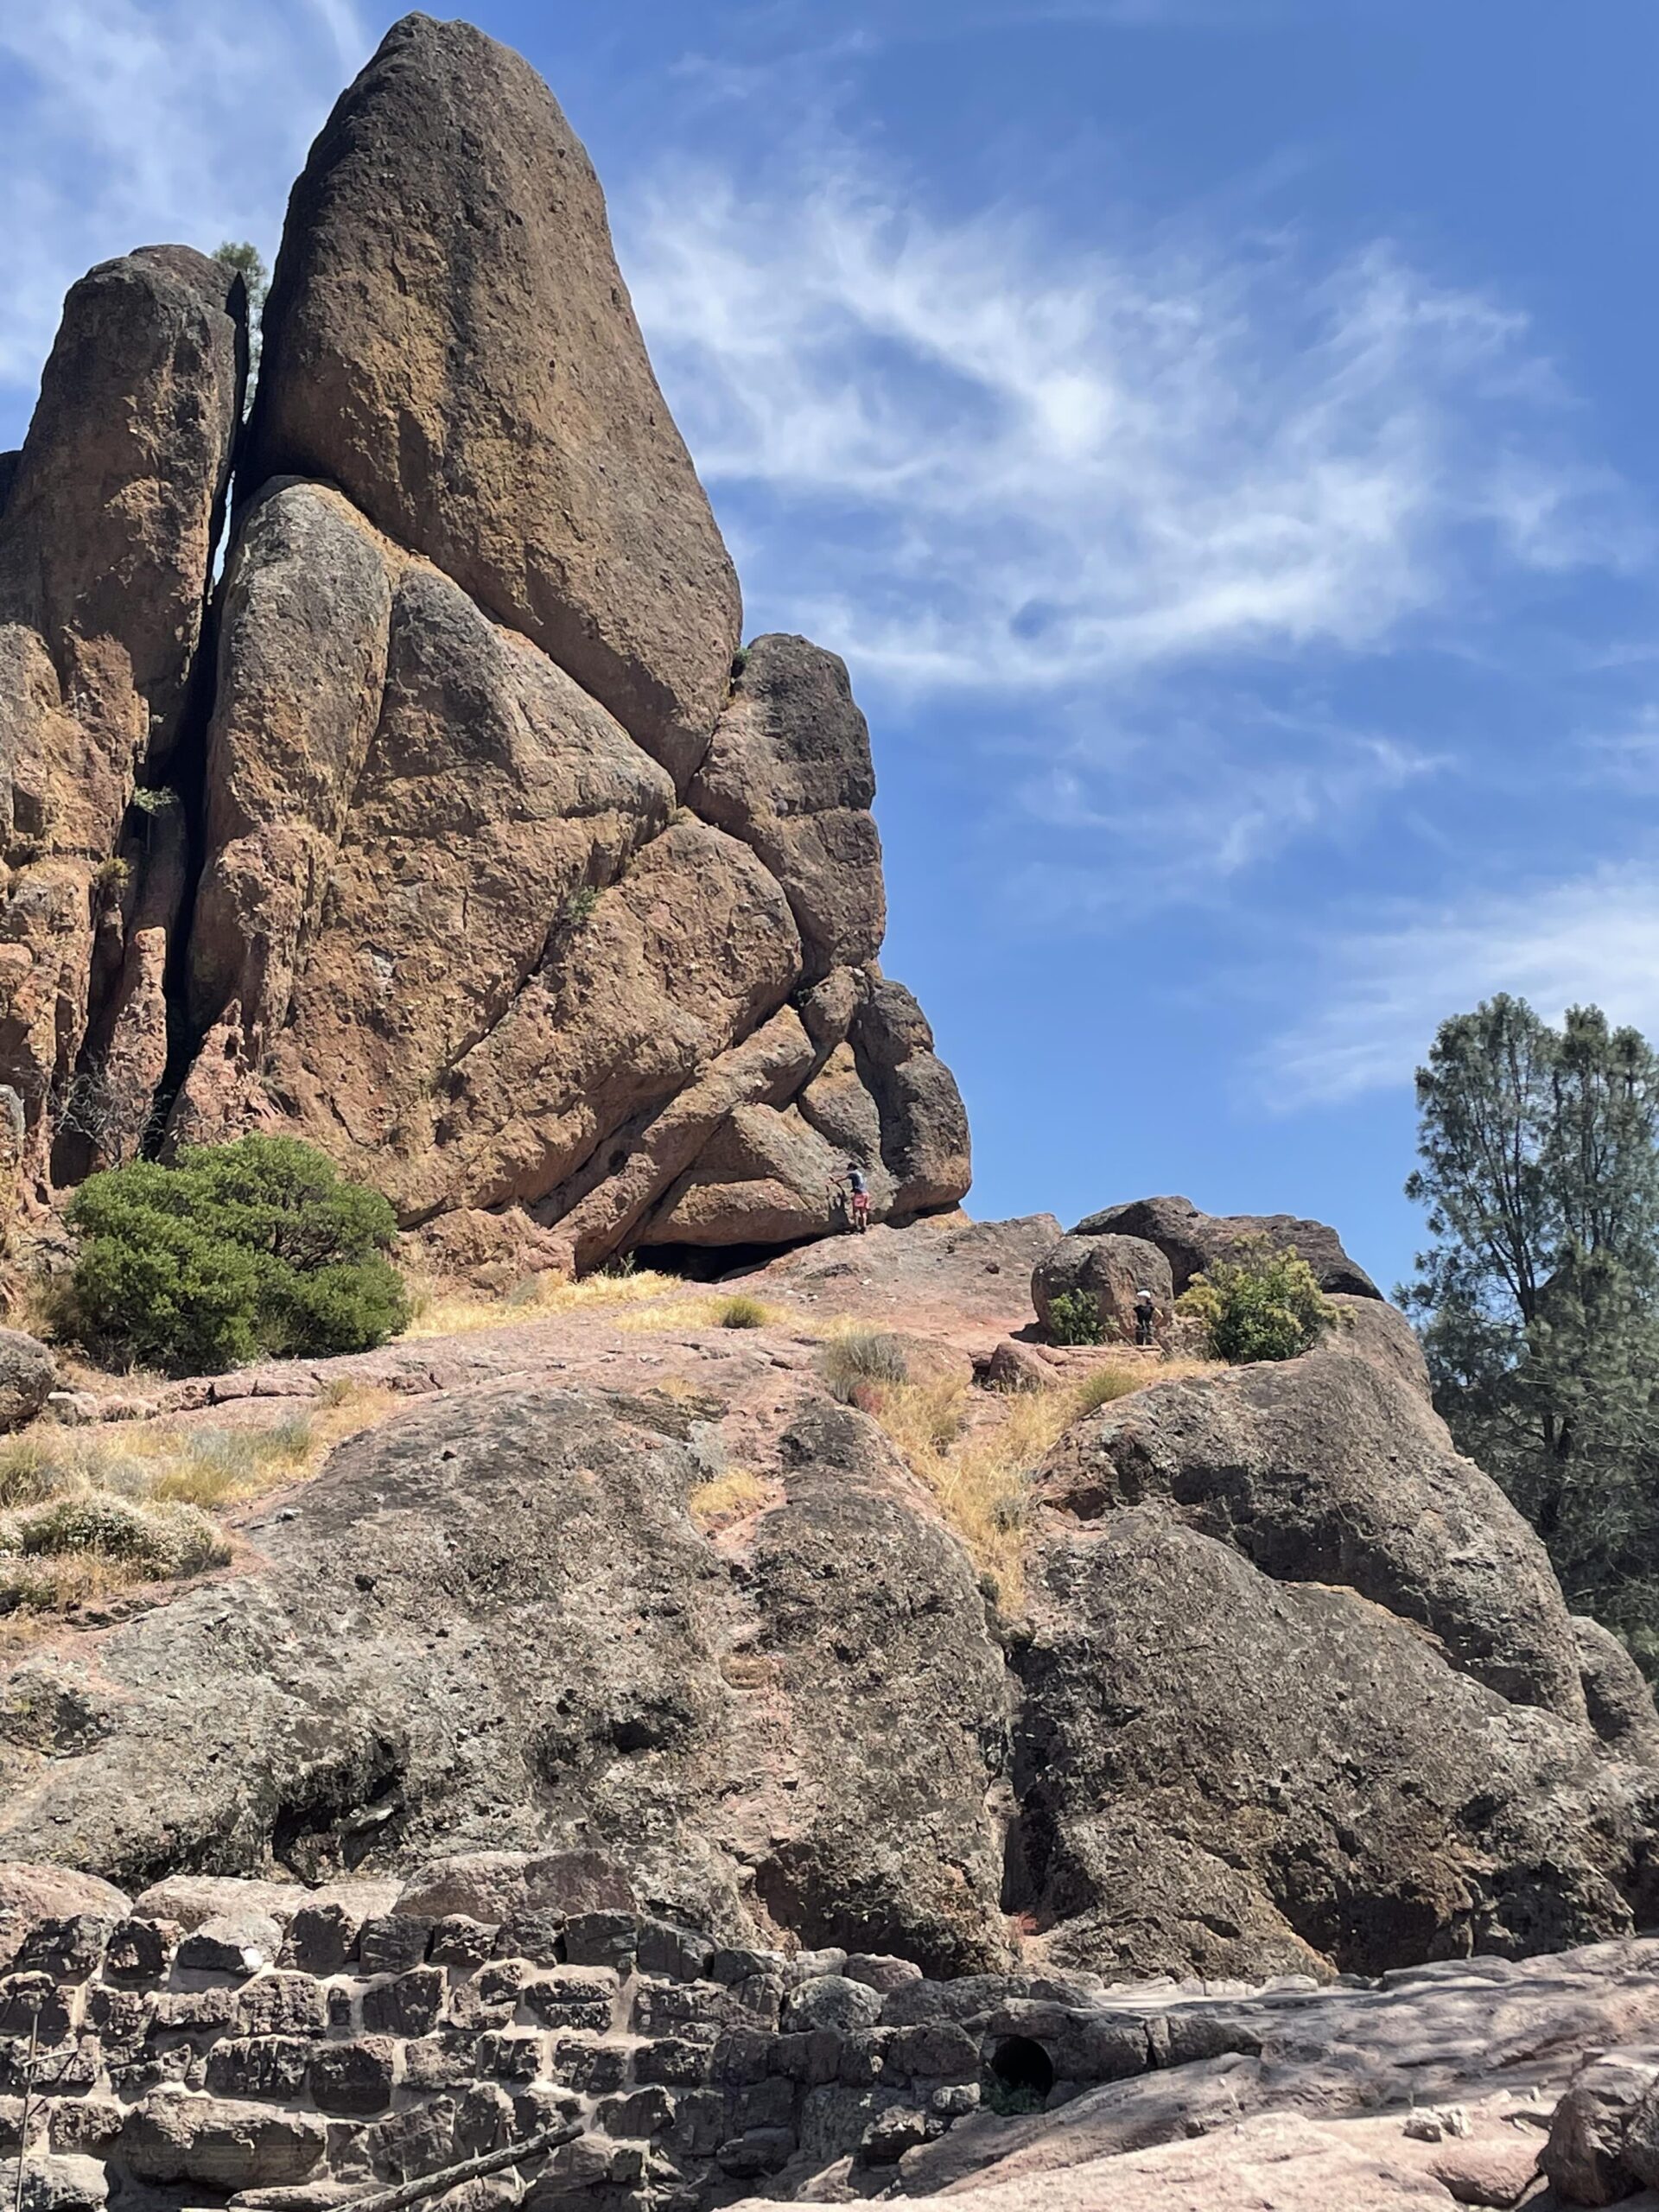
{"x": 1264, "y": 1303}
{"x": 259, "y": 1246}
{"x": 865, "y": 1356}
{"x": 1074, "y": 1319}
{"x": 742, "y": 1312}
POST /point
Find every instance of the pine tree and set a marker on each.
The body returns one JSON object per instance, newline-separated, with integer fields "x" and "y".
{"x": 1540, "y": 1293}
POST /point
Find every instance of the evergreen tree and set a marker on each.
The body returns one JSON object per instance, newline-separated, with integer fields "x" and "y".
{"x": 1539, "y": 1293}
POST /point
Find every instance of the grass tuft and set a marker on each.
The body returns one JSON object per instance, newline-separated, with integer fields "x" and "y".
{"x": 731, "y": 1497}
{"x": 862, "y": 1357}
{"x": 451, "y": 1313}
{"x": 742, "y": 1312}
{"x": 977, "y": 1452}
{"x": 86, "y": 1514}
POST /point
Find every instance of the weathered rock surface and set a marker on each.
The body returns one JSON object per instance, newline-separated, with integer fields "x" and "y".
{"x": 494, "y": 1621}
{"x": 1110, "y": 1269}
{"x": 105, "y": 546}
{"x": 1299, "y": 1687}
{"x": 504, "y": 1991}
{"x": 475, "y": 634}
{"x": 449, "y": 340}
{"x": 789, "y": 771}
{"x": 28, "y": 1375}
{"x": 1191, "y": 1241}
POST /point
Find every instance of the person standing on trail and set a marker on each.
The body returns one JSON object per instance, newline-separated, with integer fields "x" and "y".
{"x": 1146, "y": 1313}
{"x": 859, "y": 1188}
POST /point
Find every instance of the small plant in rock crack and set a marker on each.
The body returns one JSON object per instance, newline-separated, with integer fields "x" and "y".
{"x": 576, "y": 909}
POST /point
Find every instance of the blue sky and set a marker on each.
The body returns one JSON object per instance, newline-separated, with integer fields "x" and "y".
{"x": 1220, "y": 438}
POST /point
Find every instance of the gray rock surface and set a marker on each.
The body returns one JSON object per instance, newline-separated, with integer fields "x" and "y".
{"x": 1190, "y": 1240}
{"x": 494, "y": 1622}
{"x": 1300, "y": 1688}
{"x": 448, "y": 215}
{"x": 28, "y": 1375}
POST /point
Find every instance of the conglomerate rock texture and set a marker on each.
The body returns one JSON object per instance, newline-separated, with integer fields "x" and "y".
{"x": 454, "y": 837}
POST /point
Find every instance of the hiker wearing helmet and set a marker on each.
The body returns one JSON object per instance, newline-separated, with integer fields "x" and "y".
{"x": 1146, "y": 1313}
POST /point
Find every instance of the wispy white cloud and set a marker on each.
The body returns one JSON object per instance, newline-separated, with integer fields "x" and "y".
{"x": 1593, "y": 939}
{"x": 993, "y": 460}
{"x": 1192, "y": 803}
{"x": 138, "y": 121}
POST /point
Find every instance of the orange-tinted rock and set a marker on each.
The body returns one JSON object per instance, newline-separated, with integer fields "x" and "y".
{"x": 449, "y": 340}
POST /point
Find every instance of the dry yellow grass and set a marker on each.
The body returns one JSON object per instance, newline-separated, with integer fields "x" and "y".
{"x": 980, "y": 1469}
{"x": 440, "y": 1313}
{"x": 148, "y": 1465}
{"x": 718, "y": 1309}
{"x": 729, "y": 1498}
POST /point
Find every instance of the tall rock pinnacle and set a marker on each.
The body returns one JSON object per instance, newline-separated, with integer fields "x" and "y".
{"x": 449, "y": 340}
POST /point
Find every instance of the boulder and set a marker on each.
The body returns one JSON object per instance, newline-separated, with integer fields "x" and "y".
{"x": 789, "y": 771}
{"x": 105, "y": 549}
{"x": 33, "y": 1892}
{"x": 925, "y": 1144}
{"x": 838, "y": 1777}
{"x": 1383, "y": 1750}
{"x": 1587, "y": 2156}
{"x": 28, "y": 1375}
{"x": 448, "y": 215}
{"x": 496, "y": 1886}
{"x": 1015, "y": 1367}
{"x": 1191, "y": 1241}
{"x": 1111, "y": 1270}
{"x": 408, "y": 808}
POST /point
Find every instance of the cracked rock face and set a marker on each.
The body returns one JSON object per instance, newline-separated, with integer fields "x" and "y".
{"x": 107, "y": 534}
{"x": 1301, "y": 1685}
{"x": 449, "y": 338}
{"x": 495, "y": 1623}
{"x": 409, "y": 874}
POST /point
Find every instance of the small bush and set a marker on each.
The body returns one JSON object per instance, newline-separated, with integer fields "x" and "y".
{"x": 259, "y": 1246}
{"x": 740, "y": 661}
{"x": 156, "y": 1540}
{"x": 576, "y": 907}
{"x": 1074, "y": 1319}
{"x": 1106, "y": 1385}
{"x": 1264, "y": 1303}
{"x": 742, "y": 1312}
{"x": 862, "y": 1357}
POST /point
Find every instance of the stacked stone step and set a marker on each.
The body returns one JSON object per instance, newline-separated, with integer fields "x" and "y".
{"x": 290, "y": 2048}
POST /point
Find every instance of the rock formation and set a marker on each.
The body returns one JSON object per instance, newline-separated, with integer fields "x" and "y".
{"x": 459, "y": 842}
{"x": 287, "y": 2046}
{"x": 105, "y": 541}
{"x": 1191, "y": 1241}
{"x": 1291, "y": 1687}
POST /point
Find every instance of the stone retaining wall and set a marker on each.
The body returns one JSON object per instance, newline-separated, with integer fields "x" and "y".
{"x": 284, "y": 2048}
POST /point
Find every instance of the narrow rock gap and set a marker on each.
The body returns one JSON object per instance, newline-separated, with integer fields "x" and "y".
{"x": 187, "y": 774}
